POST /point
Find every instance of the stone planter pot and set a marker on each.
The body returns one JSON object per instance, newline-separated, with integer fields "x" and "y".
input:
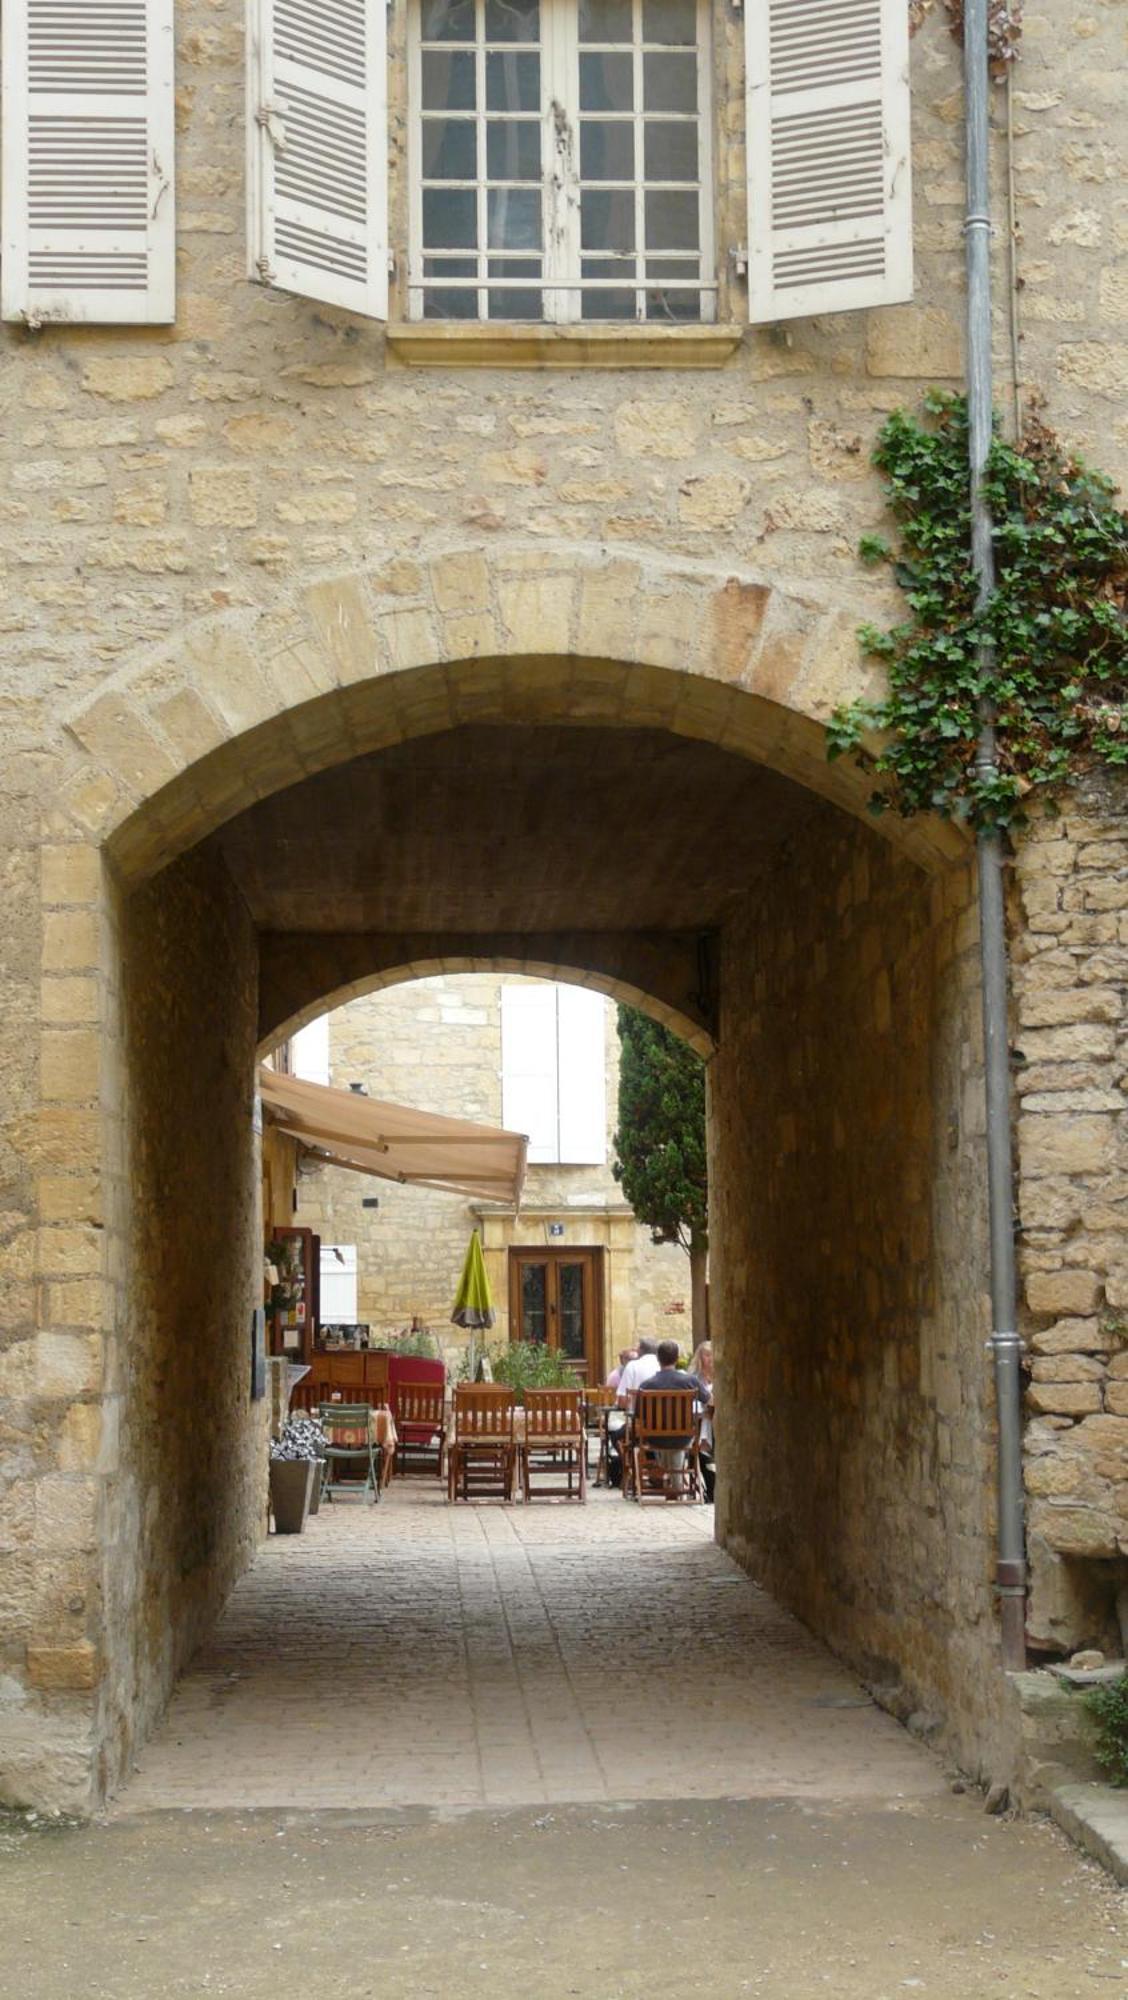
{"x": 291, "y": 1483}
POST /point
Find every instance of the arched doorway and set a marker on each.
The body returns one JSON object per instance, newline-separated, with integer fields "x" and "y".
{"x": 671, "y": 833}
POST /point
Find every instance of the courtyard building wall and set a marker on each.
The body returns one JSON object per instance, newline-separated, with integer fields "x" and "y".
{"x": 258, "y": 544}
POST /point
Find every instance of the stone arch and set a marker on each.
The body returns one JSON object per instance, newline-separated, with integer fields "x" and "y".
{"x": 274, "y": 1027}
{"x": 252, "y": 701}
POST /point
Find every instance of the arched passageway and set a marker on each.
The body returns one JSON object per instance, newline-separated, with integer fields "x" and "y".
{"x": 829, "y": 978}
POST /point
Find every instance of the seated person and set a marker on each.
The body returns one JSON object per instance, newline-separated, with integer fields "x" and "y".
{"x": 625, "y": 1354}
{"x": 668, "y": 1375}
{"x": 702, "y": 1366}
{"x": 638, "y": 1371}
{"x": 631, "y": 1376}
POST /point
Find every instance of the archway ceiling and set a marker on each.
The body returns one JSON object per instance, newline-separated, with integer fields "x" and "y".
{"x": 487, "y": 829}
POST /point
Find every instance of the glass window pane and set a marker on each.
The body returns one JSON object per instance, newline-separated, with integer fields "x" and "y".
{"x": 669, "y": 82}
{"x": 448, "y": 80}
{"x": 448, "y": 21}
{"x": 607, "y": 305}
{"x": 607, "y": 267}
{"x": 450, "y": 218}
{"x": 516, "y": 305}
{"x": 534, "y": 1301}
{"x": 513, "y": 150}
{"x": 450, "y": 267}
{"x": 514, "y": 218}
{"x": 607, "y": 219}
{"x": 512, "y": 20}
{"x": 450, "y": 305}
{"x": 607, "y": 82}
{"x": 673, "y": 270}
{"x": 672, "y": 22}
{"x": 513, "y": 82}
{"x": 673, "y": 305}
{"x": 449, "y": 151}
{"x": 606, "y": 150}
{"x": 525, "y": 268}
{"x": 571, "y": 1285}
{"x": 605, "y": 21}
{"x": 672, "y": 221}
{"x": 671, "y": 150}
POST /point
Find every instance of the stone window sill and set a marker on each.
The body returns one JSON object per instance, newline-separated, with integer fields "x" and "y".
{"x": 459, "y": 344}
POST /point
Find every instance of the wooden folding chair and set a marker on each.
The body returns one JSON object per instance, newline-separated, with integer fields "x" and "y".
{"x": 665, "y": 1423}
{"x": 420, "y": 1417}
{"x": 349, "y": 1441}
{"x": 554, "y": 1442}
{"x": 597, "y": 1405}
{"x": 482, "y": 1456}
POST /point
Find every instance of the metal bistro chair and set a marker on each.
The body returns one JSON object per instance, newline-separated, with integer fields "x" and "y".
{"x": 554, "y": 1441}
{"x": 420, "y": 1415}
{"x": 665, "y": 1421}
{"x": 349, "y": 1441}
{"x": 482, "y": 1457}
{"x": 598, "y": 1404}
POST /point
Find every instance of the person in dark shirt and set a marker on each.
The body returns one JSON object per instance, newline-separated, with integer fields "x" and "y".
{"x": 669, "y": 1376}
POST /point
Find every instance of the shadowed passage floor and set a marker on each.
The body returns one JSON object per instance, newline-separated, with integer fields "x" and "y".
{"x": 420, "y": 1654}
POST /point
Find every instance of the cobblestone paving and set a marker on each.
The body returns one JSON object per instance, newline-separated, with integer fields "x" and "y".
{"x": 418, "y": 1654}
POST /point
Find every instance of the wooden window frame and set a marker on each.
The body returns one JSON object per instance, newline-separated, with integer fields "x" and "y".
{"x": 560, "y": 284}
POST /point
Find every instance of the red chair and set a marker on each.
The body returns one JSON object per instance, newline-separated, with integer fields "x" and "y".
{"x": 417, "y": 1390}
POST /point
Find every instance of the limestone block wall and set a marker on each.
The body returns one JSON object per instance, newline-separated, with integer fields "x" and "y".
{"x": 1071, "y": 1036}
{"x": 436, "y": 1043}
{"x": 848, "y": 1266}
{"x": 185, "y": 1503}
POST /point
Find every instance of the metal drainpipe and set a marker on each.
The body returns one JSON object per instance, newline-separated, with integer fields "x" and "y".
{"x": 1005, "y": 1345}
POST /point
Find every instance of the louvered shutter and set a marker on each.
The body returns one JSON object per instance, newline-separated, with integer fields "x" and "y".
{"x": 319, "y": 150}
{"x": 829, "y": 195}
{"x": 582, "y": 1044}
{"x": 88, "y": 221}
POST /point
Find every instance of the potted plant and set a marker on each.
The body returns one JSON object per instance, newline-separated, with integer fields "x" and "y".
{"x": 294, "y": 1472}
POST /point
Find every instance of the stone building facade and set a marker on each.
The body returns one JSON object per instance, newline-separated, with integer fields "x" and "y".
{"x": 265, "y": 567}
{"x": 437, "y": 1044}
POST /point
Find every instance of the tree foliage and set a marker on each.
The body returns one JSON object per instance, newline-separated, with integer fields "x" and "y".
{"x": 1055, "y": 672}
{"x": 660, "y": 1142}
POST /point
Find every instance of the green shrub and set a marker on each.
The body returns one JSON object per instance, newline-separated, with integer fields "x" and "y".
{"x": 529, "y": 1364}
{"x": 1108, "y": 1707}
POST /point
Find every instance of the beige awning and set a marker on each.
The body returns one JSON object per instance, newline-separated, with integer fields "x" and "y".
{"x": 418, "y": 1148}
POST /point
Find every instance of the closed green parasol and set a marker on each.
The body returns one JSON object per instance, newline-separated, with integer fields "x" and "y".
{"x": 473, "y": 1305}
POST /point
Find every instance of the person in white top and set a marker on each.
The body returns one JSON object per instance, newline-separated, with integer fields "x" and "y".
{"x": 636, "y": 1373}
{"x": 631, "y": 1375}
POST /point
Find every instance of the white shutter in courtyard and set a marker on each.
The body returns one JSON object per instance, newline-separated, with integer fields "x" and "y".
{"x": 529, "y": 1068}
{"x": 319, "y": 150}
{"x": 88, "y": 210}
{"x": 582, "y": 1045}
{"x": 829, "y": 196}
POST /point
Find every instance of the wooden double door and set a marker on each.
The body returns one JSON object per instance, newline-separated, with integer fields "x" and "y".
{"x": 556, "y": 1296}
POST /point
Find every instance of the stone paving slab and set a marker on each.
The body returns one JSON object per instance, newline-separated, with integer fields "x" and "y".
{"x": 483, "y": 1655}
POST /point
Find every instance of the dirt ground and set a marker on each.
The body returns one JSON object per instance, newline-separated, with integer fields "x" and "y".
{"x": 777, "y": 1899}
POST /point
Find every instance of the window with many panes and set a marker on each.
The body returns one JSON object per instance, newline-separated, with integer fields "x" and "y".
{"x": 561, "y": 164}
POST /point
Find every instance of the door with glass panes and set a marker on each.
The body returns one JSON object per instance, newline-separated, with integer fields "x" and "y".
{"x": 556, "y": 1296}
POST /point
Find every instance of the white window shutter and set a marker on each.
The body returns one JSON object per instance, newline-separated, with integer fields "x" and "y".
{"x": 529, "y": 1099}
{"x": 318, "y": 124}
{"x": 829, "y": 187}
{"x": 582, "y": 1043}
{"x": 89, "y": 230}
{"x": 309, "y": 1051}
